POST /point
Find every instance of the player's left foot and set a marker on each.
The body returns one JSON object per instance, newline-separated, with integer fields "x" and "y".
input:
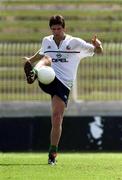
{"x": 30, "y": 75}
{"x": 52, "y": 159}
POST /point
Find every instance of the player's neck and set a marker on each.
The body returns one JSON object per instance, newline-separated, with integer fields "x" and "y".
{"x": 58, "y": 39}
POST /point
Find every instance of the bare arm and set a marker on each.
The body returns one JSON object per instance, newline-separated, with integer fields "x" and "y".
{"x": 34, "y": 58}
{"x": 45, "y": 60}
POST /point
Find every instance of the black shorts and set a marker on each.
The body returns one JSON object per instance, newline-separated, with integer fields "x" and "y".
{"x": 56, "y": 88}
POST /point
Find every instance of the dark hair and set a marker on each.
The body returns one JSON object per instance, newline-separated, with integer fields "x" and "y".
{"x": 57, "y": 19}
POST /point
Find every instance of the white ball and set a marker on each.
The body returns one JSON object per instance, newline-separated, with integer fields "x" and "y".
{"x": 46, "y": 74}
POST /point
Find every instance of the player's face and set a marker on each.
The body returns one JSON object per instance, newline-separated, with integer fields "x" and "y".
{"x": 57, "y": 30}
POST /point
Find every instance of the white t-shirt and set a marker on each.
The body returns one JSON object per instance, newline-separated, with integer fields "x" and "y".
{"x": 66, "y": 57}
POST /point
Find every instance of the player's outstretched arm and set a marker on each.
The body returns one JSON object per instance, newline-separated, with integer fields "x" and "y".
{"x": 44, "y": 60}
{"x": 97, "y": 44}
{"x": 34, "y": 58}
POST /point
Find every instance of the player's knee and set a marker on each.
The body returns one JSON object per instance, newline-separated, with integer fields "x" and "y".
{"x": 48, "y": 60}
{"x": 57, "y": 120}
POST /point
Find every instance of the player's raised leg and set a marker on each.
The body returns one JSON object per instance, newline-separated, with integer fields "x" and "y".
{"x": 30, "y": 70}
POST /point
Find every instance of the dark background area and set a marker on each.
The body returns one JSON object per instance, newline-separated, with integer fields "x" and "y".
{"x": 32, "y": 134}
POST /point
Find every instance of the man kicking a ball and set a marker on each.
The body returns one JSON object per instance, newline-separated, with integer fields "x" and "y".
{"x": 63, "y": 53}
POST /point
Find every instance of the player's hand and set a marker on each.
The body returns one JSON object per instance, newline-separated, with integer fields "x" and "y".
{"x": 96, "y": 42}
{"x": 26, "y": 59}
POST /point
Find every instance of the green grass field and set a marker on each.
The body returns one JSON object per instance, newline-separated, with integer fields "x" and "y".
{"x": 72, "y": 166}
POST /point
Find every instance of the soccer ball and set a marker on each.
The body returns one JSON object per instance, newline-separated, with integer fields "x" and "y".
{"x": 46, "y": 74}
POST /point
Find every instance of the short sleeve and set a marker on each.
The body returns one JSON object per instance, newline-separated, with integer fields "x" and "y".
{"x": 86, "y": 49}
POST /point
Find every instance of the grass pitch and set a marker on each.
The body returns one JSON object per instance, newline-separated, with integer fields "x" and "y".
{"x": 72, "y": 166}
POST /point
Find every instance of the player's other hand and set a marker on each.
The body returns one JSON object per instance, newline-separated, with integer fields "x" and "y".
{"x": 96, "y": 42}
